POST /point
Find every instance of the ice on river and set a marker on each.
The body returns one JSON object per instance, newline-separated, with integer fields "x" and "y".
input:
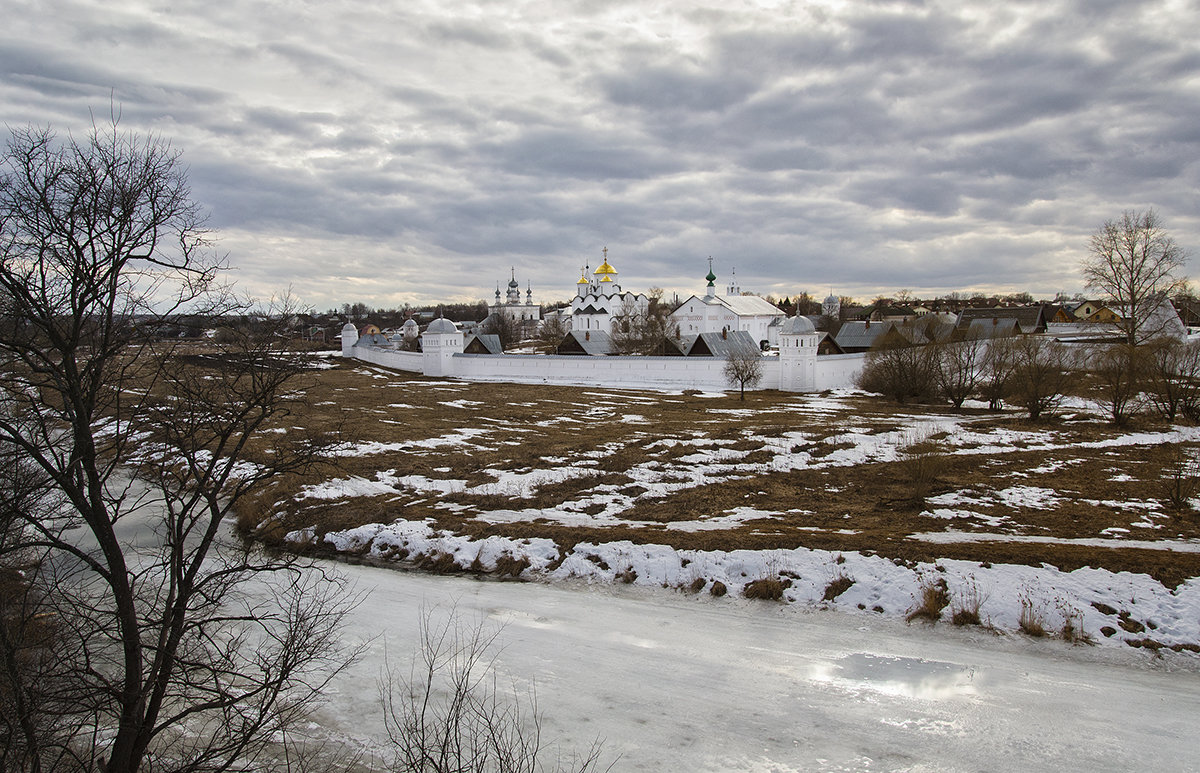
{"x": 679, "y": 684}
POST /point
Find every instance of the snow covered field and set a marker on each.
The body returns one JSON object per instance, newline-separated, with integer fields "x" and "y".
{"x": 640, "y": 520}
{"x": 1055, "y": 527}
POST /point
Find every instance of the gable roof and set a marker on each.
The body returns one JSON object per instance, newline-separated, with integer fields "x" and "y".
{"x": 718, "y": 344}
{"x": 858, "y": 336}
{"x": 374, "y": 339}
{"x": 749, "y": 306}
{"x": 1030, "y": 319}
{"x": 995, "y": 327}
{"x": 596, "y": 343}
{"x": 486, "y": 343}
{"x": 827, "y": 344}
{"x": 741, "y": 305}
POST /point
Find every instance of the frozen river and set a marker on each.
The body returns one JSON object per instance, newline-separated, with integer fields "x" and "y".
{"x": 678, "y": 683}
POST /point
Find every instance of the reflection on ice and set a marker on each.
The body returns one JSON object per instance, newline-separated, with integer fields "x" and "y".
{"x": 907, "y": 677}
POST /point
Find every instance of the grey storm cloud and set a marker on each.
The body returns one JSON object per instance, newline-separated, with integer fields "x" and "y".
{"x": 404, "y": 153}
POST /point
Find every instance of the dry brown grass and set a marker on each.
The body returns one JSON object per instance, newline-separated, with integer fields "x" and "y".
{"x": 868, "y": 507}
{"x": 932, "y": 597}
{"x": 967, "y": 604}
{"x": 1032, "y": 619}
{"x": 837, "y": 586}
{"x": 766, "y": 588}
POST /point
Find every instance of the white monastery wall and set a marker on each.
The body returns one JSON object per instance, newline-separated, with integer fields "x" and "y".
{"x": 708, "y": 373}
{"x": 835, "y": 371}
{"x": 413, "y": 362}
{"x": 616, "y": 371}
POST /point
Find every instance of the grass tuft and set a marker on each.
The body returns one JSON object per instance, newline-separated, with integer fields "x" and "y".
{"x": 439, "y": 562}
{"x": 966, "y": 605}
{"x": 837, "y": 586}
{"x": 1072, "y": 629}
{"x": 1032, "y": 620}
{"x": 766, "y": 588}
{"x": 933, "y": 597}
{"x": 510, "y": 566}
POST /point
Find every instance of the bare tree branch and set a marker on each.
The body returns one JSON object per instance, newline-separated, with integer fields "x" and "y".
{"x": 128, "y": 654}
{"x": 1133, "y": 262}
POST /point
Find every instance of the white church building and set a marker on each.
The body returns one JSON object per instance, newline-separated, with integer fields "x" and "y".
{"x": 512, "y": 307}
{"x": 599, "y": 299}
{"x": 712, "y": 313}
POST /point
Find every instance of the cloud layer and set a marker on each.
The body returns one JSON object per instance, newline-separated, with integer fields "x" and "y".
{"x": 411, "y": 152}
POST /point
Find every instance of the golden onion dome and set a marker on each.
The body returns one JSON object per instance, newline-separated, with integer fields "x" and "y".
{"x": 605, "y": 269}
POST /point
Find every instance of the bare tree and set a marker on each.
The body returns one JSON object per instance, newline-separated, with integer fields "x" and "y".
{"x": 1121, "y": 373}
{"x": 1041, "y": 373}
{"x": 641, "y": 331}
{"x": 996, "y": 376}
{"x": 500, "y": 324}
{"x": 900, "y": 371}
{"x": 958, "y": 368}
{"x": 1173, "y": 378}
{"x": 551, "y": 332}
{"x": 143, "y": 449}
{"x": 743, "y": 368}
{"x": 449, "y": 714}
{"x": 1133, "y": 262}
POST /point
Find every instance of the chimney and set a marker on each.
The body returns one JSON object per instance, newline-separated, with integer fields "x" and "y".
{"x": 724, "y": 333}
{"x": 587, "y": 335}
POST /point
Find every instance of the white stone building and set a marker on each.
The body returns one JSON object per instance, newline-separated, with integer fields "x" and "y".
{"x": 512, "y": 307}
{"x": 599, "y": 300}
{"x": 712, "y": 313}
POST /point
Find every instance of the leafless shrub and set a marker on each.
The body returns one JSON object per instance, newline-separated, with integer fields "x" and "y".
{"x": 967, "y": 602}
{"x": 1042, "y": 370}
{"x": 1032, "y": 618}
{"x": 900, "y": 371}
{"x": 1181, "y": 478}
{"x": 932, "y": 597}
{"x": 1072, "y": 629}
{"x": 718, "y": 589}
{"x": 1121, "y": 373}
{"x": 958, "y": 368}
{"x": 923, "y": 458}
{"x": 697, "y": 585}
{"x": 996, "y": 372}
{"x": 1173, "y": 378}
{"x": 451, "y": 713}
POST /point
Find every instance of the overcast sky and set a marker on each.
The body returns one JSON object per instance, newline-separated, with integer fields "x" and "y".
{"x": 412, "y": 151}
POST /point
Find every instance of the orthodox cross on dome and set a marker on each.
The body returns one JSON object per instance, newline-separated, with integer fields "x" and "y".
{"x": 605, "y": 251}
